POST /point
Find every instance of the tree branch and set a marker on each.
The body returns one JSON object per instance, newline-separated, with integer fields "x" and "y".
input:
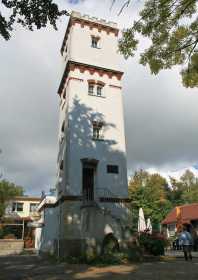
{"x": 187, "y": 45}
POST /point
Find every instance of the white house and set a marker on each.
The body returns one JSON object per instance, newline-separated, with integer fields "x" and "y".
{"x": 19, "y": 213}
{"x": 92, "y": 174}
{"x": 46, "y": 229}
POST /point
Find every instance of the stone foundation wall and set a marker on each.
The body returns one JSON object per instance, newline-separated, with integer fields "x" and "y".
{"x": 11, "y": 247}
{"x": 70, "y": 247}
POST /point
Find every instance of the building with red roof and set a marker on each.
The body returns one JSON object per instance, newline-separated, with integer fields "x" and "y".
{"x": 189, "y": 215}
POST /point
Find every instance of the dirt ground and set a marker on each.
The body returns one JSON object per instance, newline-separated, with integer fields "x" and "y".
{"x": 34, "y": 268}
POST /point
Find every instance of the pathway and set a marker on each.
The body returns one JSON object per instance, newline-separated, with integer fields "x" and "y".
{"x": 34, "y": 268}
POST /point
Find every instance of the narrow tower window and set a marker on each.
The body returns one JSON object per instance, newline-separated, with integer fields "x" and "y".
{"x": 61, "y": 165}
{"x": 63, "y": 126}
{"x": 94, "y": 42}
{"x": 64, "y": 94}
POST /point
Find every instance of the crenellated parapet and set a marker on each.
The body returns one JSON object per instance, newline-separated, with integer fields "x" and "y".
{"x": 91, "y": 22}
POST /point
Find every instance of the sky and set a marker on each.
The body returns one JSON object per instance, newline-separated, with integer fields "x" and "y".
{"x": 161, "y": 116}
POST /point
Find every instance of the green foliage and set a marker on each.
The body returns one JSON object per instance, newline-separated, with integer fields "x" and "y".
{"x": 152, "y": 193}
{"x": 29, "y": 14}
{"x": 111, "y": 258}
{"x": 149, "y": 192}
{"x": 153, "y": 244}
{"x": 184, "y": 190}
{"x": 172, "y": 27}
{"x": 8, "y": 191}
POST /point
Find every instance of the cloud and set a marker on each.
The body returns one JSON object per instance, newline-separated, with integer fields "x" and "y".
{"x": 160, "y": 115}
{"x": 177, "y": 174}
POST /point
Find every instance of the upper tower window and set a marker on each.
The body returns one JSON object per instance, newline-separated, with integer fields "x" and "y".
{"x": 96, "y": 88}
{"x": 91, "y": 88}
{"x": 99, "y": 90}
{"x": 94, "y": 42}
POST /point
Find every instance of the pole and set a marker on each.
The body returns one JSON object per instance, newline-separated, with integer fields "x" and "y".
{"x": 23, "y": 229}
{"x": 59, "y": 229}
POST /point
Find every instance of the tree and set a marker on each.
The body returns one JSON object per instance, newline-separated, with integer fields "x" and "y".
{"x": 172, "y": 27}
{"x": 0, "y": 170}
{"x": 190, "y": 187}
{"x": 148, "y": 191}
{"x": 29, "y": 14}
{"x": 188, "y": 179}
{"x": 8, "y": 191}
{"x": 156, "y": 197}
{"x": 184, "y": 190}
{"x": 175, "y": 192}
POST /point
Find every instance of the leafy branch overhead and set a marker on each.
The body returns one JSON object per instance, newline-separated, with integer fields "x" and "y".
{"x": 28, "y": 13}
{"x": 172, "y": 27}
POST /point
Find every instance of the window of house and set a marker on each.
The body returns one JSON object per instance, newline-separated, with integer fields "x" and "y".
{"x": 91, "y": 89}
{"x": 33, "y": 207}
{"x": 97, "y": 130}
{"x": 112, "y": 169}
{"x": 94, "y": 42}
{"x": 17, "y": 207}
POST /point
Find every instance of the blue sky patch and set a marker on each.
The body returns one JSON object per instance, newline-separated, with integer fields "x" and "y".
{"x": 74, "y": 1}
{"x": 196, "y": 166}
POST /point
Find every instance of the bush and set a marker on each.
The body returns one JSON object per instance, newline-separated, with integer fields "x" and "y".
{"x": 153, "y": 244}
{"x": 109, "y": 259}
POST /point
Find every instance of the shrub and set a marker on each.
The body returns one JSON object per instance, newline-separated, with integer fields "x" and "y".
{"x": 153, "y": 244}
{"x": 9, "y": 236}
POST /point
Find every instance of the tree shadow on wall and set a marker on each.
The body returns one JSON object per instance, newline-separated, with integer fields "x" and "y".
{"x": 78, "y": 143}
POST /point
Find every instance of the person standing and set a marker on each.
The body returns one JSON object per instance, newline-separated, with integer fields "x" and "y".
{"x": 186, "y": 242}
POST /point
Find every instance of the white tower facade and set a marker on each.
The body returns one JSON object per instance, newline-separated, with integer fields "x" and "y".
{"x": 92, "y": 172}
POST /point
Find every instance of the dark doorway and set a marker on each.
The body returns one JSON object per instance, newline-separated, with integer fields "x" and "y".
{"x": 88, "y": 183}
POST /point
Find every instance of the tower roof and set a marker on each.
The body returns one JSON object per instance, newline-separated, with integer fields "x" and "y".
{"x": 92, "y": 22}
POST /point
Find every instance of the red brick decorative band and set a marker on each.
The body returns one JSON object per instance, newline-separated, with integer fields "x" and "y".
{"x": 75, "y": 79}
{"x": 72, "y": 65}
{"x": 114, "y": 86}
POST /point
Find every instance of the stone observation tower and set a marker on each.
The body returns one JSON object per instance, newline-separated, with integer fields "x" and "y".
{"x": 92, "y": 175}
